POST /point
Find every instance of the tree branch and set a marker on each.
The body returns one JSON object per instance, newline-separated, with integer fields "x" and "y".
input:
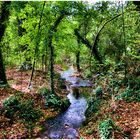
{"x": 93, "y": 47}
{"x": 87, "y": 43}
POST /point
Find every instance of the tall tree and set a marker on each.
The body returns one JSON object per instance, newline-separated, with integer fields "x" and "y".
{"x": 52, "y": 30}
{"x": 3, "y": 18}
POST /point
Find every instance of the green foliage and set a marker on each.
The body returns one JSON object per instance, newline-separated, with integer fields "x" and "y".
{"x": 28, "y": 113}
{"x": 134, "y": 83}
{"x": 137, "y": 96}
{"x": 99, "y": 91}
{"x": 125, "y": 95}
{"x": 55, "y": 102}
{"x": 65, "y": 103}
{"x": 119, "y": 66}
{"x": 129, "y": 95}
{"x": 24, "y": 110}
{"x": 11, "y": 105}
{"x": 52, "y": 101}
{"x": 115, "y": 83}
{"x": 87, "y": 73}
{"x": 105, "y": 128}
{"x": 93, "y": 106}
{"x": 3, "y": 85}
{"x": 22, "y": 33}
{"x": 44, "y": 92}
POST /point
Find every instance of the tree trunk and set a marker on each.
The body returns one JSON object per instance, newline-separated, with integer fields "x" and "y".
{"x": 36, "y": 46}
{"x": 2, "y": 70}
{"x": 78, "y": 56}
{"x": 52, "y": 67}
{"x": 4, "y": 17}
{"x": 87, "y": 43}
{"x": 78, "y": 61}
{"x": 52, "y": 30}
{"x": 93, "y": 47}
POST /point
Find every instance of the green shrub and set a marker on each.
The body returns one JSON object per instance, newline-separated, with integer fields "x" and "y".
{"x": 99, "y": 91}
{"x": 115, "y": 83}
{"x": 57, "y": 76}
{"x": 11, "y": 105}
{"x": 52, "y": 101}
{"x": 44, "y": 92}
{"x": 119, "y": 67}
{"x": 106, "y": 128}
{"x": 129, "y": 95}
{"x": 137, "y": 96}
{"x": 134, "y": 84}
{"x": 126, "y": 95}
{"x": 29, "y": 116}
{"x": 93, "y": 106}
{"x": 55, "y": 102}
{"x": 28, "y": 113}
{"x": 24, "y": 111}
{"x": 88, "y": 74}
{"x": 65, "y": 103}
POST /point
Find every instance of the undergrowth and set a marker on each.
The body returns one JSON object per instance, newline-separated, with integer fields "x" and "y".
{"x": 129, "y": 95}
{"x": 54, "y": 101}
{"x": 93, "y": 106}
{"x": 106, "y": 128}
{"x": 15, "y": 108}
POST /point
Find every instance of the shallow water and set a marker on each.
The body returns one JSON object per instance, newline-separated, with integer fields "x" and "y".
{"x": 65, "y": 125}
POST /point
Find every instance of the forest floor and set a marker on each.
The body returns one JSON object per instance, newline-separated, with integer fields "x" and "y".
{"x": 18, "y": 83}
{"x": 125, "y": 115}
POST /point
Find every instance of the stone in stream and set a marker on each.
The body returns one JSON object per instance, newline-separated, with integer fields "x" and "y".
{"x": 55, "y": 135}
{"x": 75, "y": 92}
{"x": 71, "y": 133}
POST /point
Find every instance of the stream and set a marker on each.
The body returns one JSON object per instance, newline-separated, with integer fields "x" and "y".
{"x": 66, "y": 124}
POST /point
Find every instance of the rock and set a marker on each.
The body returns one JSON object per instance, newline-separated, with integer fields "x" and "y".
{"x": 75, "y": 92}
{"x": 71, "y": 133}
{"x": 55, "y": 135}
{"x": 63, "y": 86}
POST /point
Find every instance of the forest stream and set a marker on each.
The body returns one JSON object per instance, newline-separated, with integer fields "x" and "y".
{"x": 66, "y": 124}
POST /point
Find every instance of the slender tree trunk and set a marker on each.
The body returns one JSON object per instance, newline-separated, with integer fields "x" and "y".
{"x": 52, "y": 67}
{"x": 78, "y": 56}
{"x": 36, "y": 45}
{"x": 123, "y": 28}
{"x": 42, "y": 64}
{"x": 87, "y": 43}
{"x": 3, "y": 17}
{"x": 53, "y": 30}
{"x": 46, "y": 64}
{"x": 78, "y": 61}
